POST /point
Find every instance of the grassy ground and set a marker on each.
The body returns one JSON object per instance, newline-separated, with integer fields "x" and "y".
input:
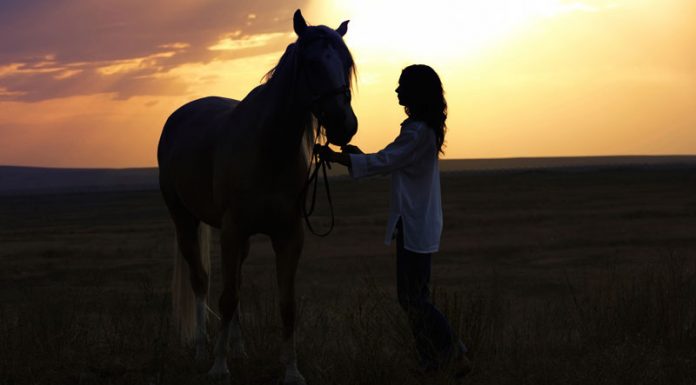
{"x": 549, "y": 277}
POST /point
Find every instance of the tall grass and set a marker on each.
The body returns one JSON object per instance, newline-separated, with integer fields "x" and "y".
{"x": 609, "y": 328}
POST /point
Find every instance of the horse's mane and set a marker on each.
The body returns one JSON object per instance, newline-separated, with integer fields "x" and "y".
{"x": 288, "y": 65}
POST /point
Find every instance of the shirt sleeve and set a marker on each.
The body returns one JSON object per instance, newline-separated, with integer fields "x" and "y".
{"x": 396, "y": 155}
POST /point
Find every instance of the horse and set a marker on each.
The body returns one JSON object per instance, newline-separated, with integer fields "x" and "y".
{"x": 241, "y": 167}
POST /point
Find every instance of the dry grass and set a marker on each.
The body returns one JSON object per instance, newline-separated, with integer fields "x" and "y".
{"x": 549, "y": 279}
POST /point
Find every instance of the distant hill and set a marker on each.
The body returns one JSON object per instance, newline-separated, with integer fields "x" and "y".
{"x": 36, "y": 180}
{"x": 577, "y": 163}
{"x": 27, "y": 180}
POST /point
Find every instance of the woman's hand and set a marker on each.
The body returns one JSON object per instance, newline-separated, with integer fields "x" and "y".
{"x": 350, "y": 149}
{"x": 328, "y": 155}
{"x": 325, "y": 153}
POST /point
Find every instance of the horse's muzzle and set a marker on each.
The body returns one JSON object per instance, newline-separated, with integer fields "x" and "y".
{"x": 341, "y": 132}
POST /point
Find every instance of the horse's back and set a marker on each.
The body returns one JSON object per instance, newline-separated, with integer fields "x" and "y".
{"x": 195, "y": 124}
{"x": 186, "y": 151}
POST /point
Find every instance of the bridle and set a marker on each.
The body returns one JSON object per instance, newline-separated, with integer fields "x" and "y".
{"x": 343, "y": 89}
{"x": 313, "y": 175}
{"x": 316, "y": 99}
{"x": 319, "y": 164}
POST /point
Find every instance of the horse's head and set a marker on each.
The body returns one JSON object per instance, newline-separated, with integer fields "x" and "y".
{"x": 326, "y": 70}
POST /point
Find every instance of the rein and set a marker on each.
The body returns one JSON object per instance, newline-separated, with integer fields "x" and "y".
{"x": 344, "y": 89}
{"x": 313, "y": 177}
{"x": 319, "y": 163}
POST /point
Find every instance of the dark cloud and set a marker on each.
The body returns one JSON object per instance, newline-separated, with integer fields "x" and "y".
{"x": 63, "y": 46}
{"x": 32, "y": 87}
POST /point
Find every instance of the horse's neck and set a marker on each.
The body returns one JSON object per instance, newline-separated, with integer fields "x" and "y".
{"x": 287, "y": 129}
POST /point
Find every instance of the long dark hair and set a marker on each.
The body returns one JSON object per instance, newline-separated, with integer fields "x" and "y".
{"x": 424, "y": 99}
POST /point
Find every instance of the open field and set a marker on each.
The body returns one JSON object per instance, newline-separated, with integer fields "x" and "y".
{"x": 17, "y": 180}
{"x": 550, "y": 277}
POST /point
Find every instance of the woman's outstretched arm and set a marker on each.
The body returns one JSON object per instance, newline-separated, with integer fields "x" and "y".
{"x": 397, "y": 154}
{"x": 401, "y": 152}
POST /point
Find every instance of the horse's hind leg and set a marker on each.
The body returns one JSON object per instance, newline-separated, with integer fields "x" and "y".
{"x": 187, "y": 232}
{"x": 238, "y": 350}
{"x": 233, "y": 245}
{"x": 288, "y": 247}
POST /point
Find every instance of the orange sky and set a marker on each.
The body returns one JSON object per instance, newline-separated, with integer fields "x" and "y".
{"x": 89, "y": 84}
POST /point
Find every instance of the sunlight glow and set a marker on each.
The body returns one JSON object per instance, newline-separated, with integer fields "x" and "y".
{"x": 440, "y": 28}
{"x": 521, "y": 77}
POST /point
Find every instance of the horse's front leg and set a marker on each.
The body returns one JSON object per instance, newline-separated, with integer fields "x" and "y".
{"x": 287, "y": 245}
{"x": 234, "y": 245}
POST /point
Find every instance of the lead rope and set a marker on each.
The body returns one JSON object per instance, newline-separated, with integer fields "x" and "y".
{"x": 313, "y": 177}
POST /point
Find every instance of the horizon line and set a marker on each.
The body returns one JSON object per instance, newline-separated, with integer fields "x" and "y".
{"x": 445, "y": 160}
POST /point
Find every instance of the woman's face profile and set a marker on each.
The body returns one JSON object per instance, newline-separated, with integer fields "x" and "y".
{"x": 401, "y": 92}
{"x": 399, "y": 95}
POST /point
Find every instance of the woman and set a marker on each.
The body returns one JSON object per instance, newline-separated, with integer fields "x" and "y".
{"x": 415, "y": 214}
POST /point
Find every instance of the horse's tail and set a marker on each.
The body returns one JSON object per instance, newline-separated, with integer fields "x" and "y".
{"x": 183, "y": 298}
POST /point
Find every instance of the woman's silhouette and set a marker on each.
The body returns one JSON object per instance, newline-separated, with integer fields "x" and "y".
{"x": 415, "y": 213}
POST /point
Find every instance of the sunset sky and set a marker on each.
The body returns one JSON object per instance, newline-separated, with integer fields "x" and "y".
{"x": 87, "y": 83}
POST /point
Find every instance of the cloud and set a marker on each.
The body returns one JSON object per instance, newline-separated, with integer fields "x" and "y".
{"x": 56, "y": 49}
{"x": 236, "y": 42}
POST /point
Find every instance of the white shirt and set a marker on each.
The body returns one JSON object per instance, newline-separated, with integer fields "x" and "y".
{"x": 412, "y": 161}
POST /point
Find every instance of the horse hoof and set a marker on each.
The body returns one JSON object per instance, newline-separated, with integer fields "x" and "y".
{"x": 294, "y": 380}
{"x": 217, "y": 379}
{"x": 219, "y": 372}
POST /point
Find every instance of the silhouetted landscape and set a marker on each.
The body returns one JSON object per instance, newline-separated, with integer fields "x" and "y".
{"x": 37, "y": 180}
{"x": 581, "y": 272}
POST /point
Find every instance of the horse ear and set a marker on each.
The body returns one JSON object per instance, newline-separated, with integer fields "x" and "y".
{"x": 343, "y": 28}
{"x": 299, "y": 23}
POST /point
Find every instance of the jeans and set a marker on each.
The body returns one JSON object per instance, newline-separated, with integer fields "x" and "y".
{"x": 435, "y": 340}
